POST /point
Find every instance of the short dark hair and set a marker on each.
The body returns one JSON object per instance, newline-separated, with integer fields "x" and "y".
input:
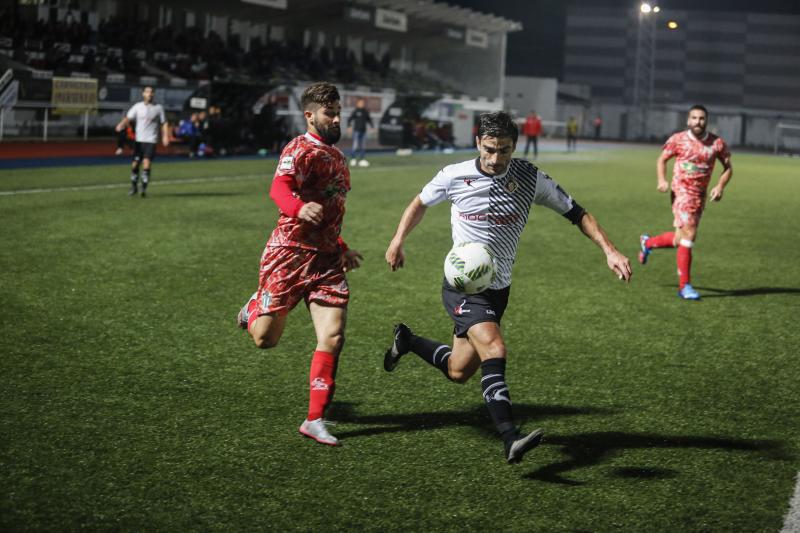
{"x": 699, "y": 107}
{"x": 321, "y": 93}
{"x": 497, "y": 124}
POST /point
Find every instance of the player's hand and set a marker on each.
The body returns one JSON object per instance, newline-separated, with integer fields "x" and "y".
{"x": 395, "y": 256}
{"x": 663, "y": 186}
{"x": 619, "y": 265}
{"x": 351, "y": 260}
{"x": 311, "y": 212}
{"x": 716, "y": 194}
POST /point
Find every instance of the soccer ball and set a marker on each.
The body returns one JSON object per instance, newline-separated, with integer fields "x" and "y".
{"x": 469, "y": 267}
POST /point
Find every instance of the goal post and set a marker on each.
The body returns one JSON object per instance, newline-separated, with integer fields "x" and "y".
{"x": 787, "y": 138}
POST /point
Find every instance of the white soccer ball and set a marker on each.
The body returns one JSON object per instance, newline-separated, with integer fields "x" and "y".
{"x": 469, "y": 267}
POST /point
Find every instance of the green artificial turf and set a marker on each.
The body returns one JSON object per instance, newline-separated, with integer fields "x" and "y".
{"x": 129, "y": 399}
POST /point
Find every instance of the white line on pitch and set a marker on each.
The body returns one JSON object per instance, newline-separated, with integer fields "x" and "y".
{"x": 792, "y": 522}
{"x": 126, "y": 185}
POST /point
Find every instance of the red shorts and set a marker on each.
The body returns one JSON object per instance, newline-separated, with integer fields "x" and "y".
{"x": 288, "y": 275}
{"x": 687, "y": 209}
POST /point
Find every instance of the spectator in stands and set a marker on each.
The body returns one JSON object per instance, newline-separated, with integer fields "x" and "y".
{"x": 188, "y": 133}
{"x": 357, "y": 126}
{"x": 532, "y": 129}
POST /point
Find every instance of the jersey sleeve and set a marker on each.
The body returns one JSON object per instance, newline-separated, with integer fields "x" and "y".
{"x": 723, "y": 152}
{"x": 671, "y": 146}
{"x": 131, "y": 113}
{"x": 161, "y": 117}
{"x": 436, "y": 190}
{"x": 551, "y": 195}
{"x": 294, "y": 162}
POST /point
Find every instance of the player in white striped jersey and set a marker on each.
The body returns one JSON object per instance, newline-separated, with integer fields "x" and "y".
{"x": 491, "y": 199}
{"x": 147, "y": 117}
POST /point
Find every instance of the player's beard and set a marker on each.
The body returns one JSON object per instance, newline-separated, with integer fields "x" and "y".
{"x": 331, "y": 135}
{"x": 698, "y": 131}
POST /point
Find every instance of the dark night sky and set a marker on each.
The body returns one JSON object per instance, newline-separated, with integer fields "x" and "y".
{"x": 538, "y": 50}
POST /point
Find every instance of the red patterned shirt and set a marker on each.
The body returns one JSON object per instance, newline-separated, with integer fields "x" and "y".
{"x": 694, "y": 161}
{"x": 319, "y": 174}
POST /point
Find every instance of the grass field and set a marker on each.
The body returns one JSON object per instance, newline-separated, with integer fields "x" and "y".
{"x": 129, "y": 400}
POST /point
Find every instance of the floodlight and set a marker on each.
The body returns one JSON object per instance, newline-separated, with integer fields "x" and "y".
{"x": 645, "y": 7}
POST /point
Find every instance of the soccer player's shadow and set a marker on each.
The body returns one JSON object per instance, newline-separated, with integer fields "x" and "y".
{"x": 590, "y": 449}
{"x": 754, "y": 291}
{"x": 476, "y": 417}
{"x": 713, "y": 292}
{"x": 582, "y": 449}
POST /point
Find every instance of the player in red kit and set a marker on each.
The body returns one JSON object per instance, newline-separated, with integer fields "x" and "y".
{"x": 305, "y": 258}
{"x": 696, "y": 150}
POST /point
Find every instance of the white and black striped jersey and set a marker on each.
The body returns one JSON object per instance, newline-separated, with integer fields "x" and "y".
{"x": 493, "y": 210}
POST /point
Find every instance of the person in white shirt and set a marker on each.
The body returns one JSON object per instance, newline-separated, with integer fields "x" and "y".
{"x": 147, "y": 117}
{"x": 491, "y": 198}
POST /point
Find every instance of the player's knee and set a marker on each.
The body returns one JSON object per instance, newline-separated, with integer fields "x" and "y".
{"x": 459, "y": 376}
{"x": 495, "y": 350}
{"x": 264, "y": 341}
{"x": 333, "y": 342}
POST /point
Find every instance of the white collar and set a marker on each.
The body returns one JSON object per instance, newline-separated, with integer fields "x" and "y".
{"x": 313, "y": 139}
{"x": 689, "y": 131}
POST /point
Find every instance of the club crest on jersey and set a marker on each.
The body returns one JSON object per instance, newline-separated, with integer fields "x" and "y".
{"x": 512, "y": 185}
{"x": 459, "y": 309}
{"x": 287, "y": 163}
{"x": 468, "y": 181}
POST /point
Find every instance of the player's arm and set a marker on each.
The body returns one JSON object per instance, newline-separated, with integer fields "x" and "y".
{"x": 124, "y": 123}
{"x": 351, "y": 259}
{"x": 618, "y": 263}
{"x": 290, "y": 205}
{"x": 395, "y": 256}
{"x": 661, "y": 171}
{"x": 725, "y": 177}
{"x": 165, "y": 134}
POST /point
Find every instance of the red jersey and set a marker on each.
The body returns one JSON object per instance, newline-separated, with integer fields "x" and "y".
{"x": 694, "y": 160}
{"x": 319, "y": 174}
{"x": 532, "y": 126}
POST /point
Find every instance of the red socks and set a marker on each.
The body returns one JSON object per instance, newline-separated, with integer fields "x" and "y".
{"x": 322, "y": 384}
{"x": 684, "y": 263}
{"x": 665, "y": 240}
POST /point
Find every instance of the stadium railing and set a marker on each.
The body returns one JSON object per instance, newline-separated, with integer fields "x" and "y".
{"x": 40, "y": 120}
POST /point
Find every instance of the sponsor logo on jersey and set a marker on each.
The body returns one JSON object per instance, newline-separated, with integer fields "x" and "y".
{"x": 287, "y": 163}
{"x": 468, "y": 181}
{"x": 512, "y": 185}
{"x": 499, "y": 219}
{"x": 332, "y": 190}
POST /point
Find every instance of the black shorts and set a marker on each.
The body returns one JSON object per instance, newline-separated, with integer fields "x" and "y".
{"x": 466, "y": 310}
{"x": 144, "y": 151}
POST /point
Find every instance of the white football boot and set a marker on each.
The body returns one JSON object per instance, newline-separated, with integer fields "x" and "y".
{"x": 315, "y": 429}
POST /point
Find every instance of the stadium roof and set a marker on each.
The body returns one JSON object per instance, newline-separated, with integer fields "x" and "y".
{"x": 447, "y": 14}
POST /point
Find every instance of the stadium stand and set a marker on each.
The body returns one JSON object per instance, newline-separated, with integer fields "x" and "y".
{"x": 231, "y": 58}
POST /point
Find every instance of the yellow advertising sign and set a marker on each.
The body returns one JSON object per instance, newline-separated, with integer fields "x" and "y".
{"x": 74, "y": 95}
